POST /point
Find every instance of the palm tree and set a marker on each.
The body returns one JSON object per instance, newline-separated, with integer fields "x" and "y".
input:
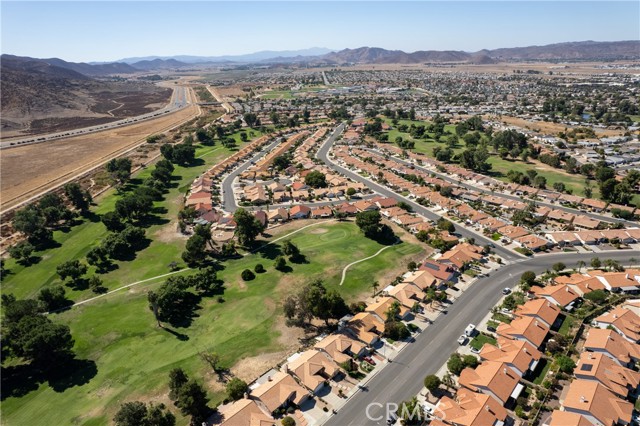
{"x": 375, "y": 286}
{"x": 581, "y": 264}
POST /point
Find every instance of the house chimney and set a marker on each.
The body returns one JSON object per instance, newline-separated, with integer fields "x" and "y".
{"x": 582, "y": 399}
{"x": 504, "y": 371}
{"x": 269, "y": 378}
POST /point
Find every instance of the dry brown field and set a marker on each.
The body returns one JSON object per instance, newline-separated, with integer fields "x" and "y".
{"x": 30, "y": 170}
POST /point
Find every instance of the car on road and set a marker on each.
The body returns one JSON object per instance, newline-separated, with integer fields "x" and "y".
{"x": 506, "y": 290}
{"x": 462, "y": 340}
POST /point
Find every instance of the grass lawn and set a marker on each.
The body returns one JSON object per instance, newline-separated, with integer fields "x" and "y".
{"x": 565, "y": 328}
{"x": 133, "y": 356}
{"x": 480, "y": 340}
{"x": 544, "y": 369}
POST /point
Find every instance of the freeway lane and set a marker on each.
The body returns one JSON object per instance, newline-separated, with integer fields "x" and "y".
{"x": 509, "y": 196}
{"x": 480, "y": 239}
{"x": 402, "y": 379}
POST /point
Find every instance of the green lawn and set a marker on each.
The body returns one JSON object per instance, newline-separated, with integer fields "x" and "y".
{"x": 133, "y": 356}
{"x": 480, "y": 340}
{"x": 566, "y": 325}
{"x": 546, "y": 365}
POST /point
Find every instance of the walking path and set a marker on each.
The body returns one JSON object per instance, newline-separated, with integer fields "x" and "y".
{"x": 344, "y": 271}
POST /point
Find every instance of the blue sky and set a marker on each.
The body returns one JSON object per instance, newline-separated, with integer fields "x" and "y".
{"x": 111, "y": 30}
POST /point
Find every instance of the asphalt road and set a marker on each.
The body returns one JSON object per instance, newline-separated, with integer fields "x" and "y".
{"x": 402, "y": 379}
{"x": 179, "y": 100}
{"x": 229, "y": 200}
{"x": 508, "y": 196}
{"x": 480, "y": 239}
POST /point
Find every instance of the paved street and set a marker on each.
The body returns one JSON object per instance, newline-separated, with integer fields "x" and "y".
{"x": 508, "y": 196}
{"x": 402, "y": 379}
{"x": 480, "y": 239}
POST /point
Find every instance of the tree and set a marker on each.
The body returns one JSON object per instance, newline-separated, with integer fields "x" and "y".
{"x": 247, "y": 227}
{"x": 540, "y": 182}
{"x": 288, "y": 421}
{"x": 291, "y": 250}
{"x": 369, "y": 222}
{"x": 99, "y": 258}
{"x": 445, "y": 225}
{"x": 596, "y": 263}
{"x": 192, "y": 401}
{"x": 247, "y": 275}
{"x": 39, "y": 340}
{"x": 314, "y": 301}
{"x": 374, "y": 287}
{"x": 21, "y": 252}
{"x": 432, "y": 382}
{"x": 133, "y": 207}
{"x": 137, "y": 413}
{"x": 351, "y": 192}
{"x": 177, "y": 379}
{"x": 236, "y": 388}
{"x": 79, "y": 198}
{"x": 53, "y": 298}
{"x": 316, "y": 179}
{"x": 559, "y": 266}
{"x": 31, "y": 222}
{"x": 280, "y": 263}
{"x": 195, "y": 250}
{"x": 455, "y": 364}
{"x": 559, "y": 186}
{"x": 112, "y": 221}
{"x": 581, "y": 264}
{"x": 396, "y": 330}
{"x": 565, "y": 364}
{"x": 259, "y": 269}
{"x": 528, "y": 277}
{"x": 71, "y": 269}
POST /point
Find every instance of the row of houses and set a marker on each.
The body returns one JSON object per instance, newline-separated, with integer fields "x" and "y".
{"x": 604, "y": 375}
{"x": 307, "y": 374}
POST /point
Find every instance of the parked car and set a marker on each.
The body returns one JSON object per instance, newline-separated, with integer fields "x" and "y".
{"x": 506, "y": 290}
{"x": 470, "y": 330}
{"x": 369, "y": 360}
{"x": 462, "y": 340}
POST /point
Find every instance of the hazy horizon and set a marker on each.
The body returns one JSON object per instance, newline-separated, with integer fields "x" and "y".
{"x": 97, "y": 31}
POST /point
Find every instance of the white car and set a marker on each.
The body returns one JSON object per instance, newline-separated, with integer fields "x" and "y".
{"x": 506, "y": 290}
{"x": 470, "y": 330}
{"x": 462, "y": 340}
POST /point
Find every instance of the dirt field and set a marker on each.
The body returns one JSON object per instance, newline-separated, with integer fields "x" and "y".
{"x": 552, "y": 128}
{"x": 29, "y": 170}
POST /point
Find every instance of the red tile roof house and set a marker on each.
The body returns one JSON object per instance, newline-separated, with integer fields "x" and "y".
{"x": 533, "y": 242}
{"x": 492, "y": 378}
{"x": 617, "y": 281}
{"x": 622, "y": 320}
{"x": 599, "y": 367}
{"x": 438, "y": 270}
{"x": 347, "y": 209}
{"x": 313, "y": 368}
{"x": 469, "y": 409}
{"x": 321, "y": 212}
{"x": 525, "y": 328}
{"x": 540, "y": 309}
{"x": 299, "y": 212}
{"x": 560, "y": 294}
{"x": 521, "y": 356}
{"x": 611, "y": 344}
{"x": 597, "y": 403}
{"x": 280, "y": 390}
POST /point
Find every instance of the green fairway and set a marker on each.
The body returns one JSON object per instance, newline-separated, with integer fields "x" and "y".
{"x": 133, "y": 356}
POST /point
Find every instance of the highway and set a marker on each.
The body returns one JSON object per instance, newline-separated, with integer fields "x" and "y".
{"x": 179, "y": 100}
{"x": 508, "y": 196}
{"x": 402, "y": 379}
{"x": 322, "y": 154}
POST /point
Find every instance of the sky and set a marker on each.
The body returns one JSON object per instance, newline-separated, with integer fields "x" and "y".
{"x": 111, "y": 30}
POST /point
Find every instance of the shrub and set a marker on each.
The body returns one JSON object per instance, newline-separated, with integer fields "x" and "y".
{"x": 247, "y": 275}
{"x": 259, "y": 269}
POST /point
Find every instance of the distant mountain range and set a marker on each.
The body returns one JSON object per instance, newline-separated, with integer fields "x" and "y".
{"x": 250, "y": 57}
{"x": 572, "y": 51}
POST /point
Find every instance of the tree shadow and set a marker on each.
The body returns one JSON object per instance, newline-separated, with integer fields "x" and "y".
{"x": 79, "y": 284}
{"x": 91, "y": 216}
{"x": 286, "y": 269}
{"x": 270, "y": 251}
{"x": 31, "y": 260}
{"x": 299, "y": 259}
{"x": 179, "y": 336}
{"x": 20, "y": 380}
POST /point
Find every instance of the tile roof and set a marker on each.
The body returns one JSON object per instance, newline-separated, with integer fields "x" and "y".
{"x": 527, "y": 328}
{"x": 279, "y": 389}
{"x": 312, "y": 368}
{"x": 496, "y": 377}
{"x": 244, "y": 412}
{"x": 597, "y": 366}
{"x": 518, "y": 353}
{"x": 625, "y": 322}
{"x": 610, "y": 342}
{"x": 469, "y": 409}
{"x": 541, "y": 309}
{"x": 586, "y": 396}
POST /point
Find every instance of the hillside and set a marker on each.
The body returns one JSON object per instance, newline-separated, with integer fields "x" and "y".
{"x": 40, "y": 96}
